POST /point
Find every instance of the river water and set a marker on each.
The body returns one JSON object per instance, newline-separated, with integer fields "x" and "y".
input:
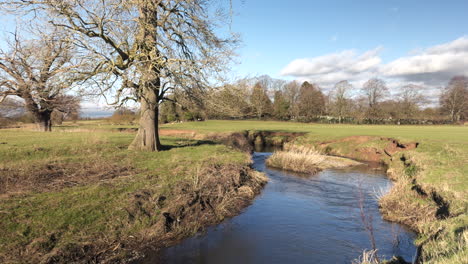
{"x": 302, "y": 219}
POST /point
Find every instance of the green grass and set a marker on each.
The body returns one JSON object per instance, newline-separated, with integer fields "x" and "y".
{"x": 95, "y": 211}
{"x": 445, "y": 146}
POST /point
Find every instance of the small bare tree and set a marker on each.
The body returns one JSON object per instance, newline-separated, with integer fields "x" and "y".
{"x": 339, "y": 98}
{"x": 229, "y": 101}
{"x": 39, "y": 71}
{"x": 454, "y": 98}
{"x": 410, "y": 98}
{"x": 260, "y": 101}
{"x": 142, "y": 49}
{"x": 374, "y": 90}
{"x": 291, "y": 91}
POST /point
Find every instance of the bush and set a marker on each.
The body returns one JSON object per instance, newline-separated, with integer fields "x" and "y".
{"x": 123, "y": 116}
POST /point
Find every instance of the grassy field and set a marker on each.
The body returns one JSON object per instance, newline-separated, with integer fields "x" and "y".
{"x": 40, "y": 214}
{"x": 75, "y": 191}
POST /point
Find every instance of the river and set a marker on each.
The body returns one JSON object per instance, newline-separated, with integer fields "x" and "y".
{"x": 302, "y": 219}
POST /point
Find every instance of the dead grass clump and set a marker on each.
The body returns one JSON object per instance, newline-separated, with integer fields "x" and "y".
{"x": 367, "y": 257}
{"x": 296, "y": 158}
{"x": 296, "y": 161}
{"x": 406, "y": 206}
{"x": 306, "y": 160}
{"x": 217, "y": 192}
{"x": 56, "y": 175}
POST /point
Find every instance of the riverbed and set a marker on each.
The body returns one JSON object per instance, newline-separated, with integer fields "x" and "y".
{"x": 301, "y": 218}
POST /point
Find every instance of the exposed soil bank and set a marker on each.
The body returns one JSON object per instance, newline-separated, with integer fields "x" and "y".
{"x": 251, "y": 140}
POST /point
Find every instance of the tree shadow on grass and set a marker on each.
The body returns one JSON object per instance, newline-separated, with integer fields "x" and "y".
{"x": 184, "y": 143}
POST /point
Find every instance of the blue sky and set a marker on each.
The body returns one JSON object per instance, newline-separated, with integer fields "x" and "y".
{"x": 275, "y": 34}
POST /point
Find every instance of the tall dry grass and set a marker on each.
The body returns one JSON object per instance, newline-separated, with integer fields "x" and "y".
{"x": 306, "y": 159}
{"x": 367, "y": 257}
{"x": 296, "y": 158}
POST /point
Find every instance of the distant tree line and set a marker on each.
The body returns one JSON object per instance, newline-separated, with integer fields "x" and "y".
{"x": 306, "y": 102}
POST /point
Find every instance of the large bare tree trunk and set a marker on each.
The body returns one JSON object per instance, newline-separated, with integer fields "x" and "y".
{"x": 147, "y": 137}
{"x": 43, "y": 120}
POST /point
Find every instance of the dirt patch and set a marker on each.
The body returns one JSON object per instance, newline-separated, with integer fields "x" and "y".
{"x": 365, "y": 153}
{"x": 394, "y": 146}
{"x": 355, "y": 139}
{"x": 58, "y": 175}
{"x": 219, "y": 192}
{"x": 127, "y": 130}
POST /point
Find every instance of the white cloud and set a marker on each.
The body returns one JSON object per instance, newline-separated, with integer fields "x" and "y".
{"x": 431, "y": 67}
{"x": 328, "y": 69}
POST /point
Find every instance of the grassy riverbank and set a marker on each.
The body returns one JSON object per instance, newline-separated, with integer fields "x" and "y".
{"x": 431, "y": 189}
{"x": 78, "y": 194}
{"x": 83, "y": 196}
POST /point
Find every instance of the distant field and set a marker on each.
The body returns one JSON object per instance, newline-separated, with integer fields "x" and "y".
{"x": 447, "y": 145}
{"x": 453, "y": 134}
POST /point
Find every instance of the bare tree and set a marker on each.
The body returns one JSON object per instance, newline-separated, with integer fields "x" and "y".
{"x": 410, "y": 99}
{"x": 454, "y": 98}
{"x": 39, "y": 71}
{"x": 291, "y": 91}
{"x": 229, "y": 101}
{"x": 280, "y": 106}
{"x": 143, "y": 49}
{"x": 260, "y": 101}
{"x": 339, "y": 98}
{"x": 68, "y": 108}
{"x": 374, "y": 90}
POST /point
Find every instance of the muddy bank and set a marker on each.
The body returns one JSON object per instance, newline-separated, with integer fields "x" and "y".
{"x": 251, "y": 140}
{"x": 366, "y": 148}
